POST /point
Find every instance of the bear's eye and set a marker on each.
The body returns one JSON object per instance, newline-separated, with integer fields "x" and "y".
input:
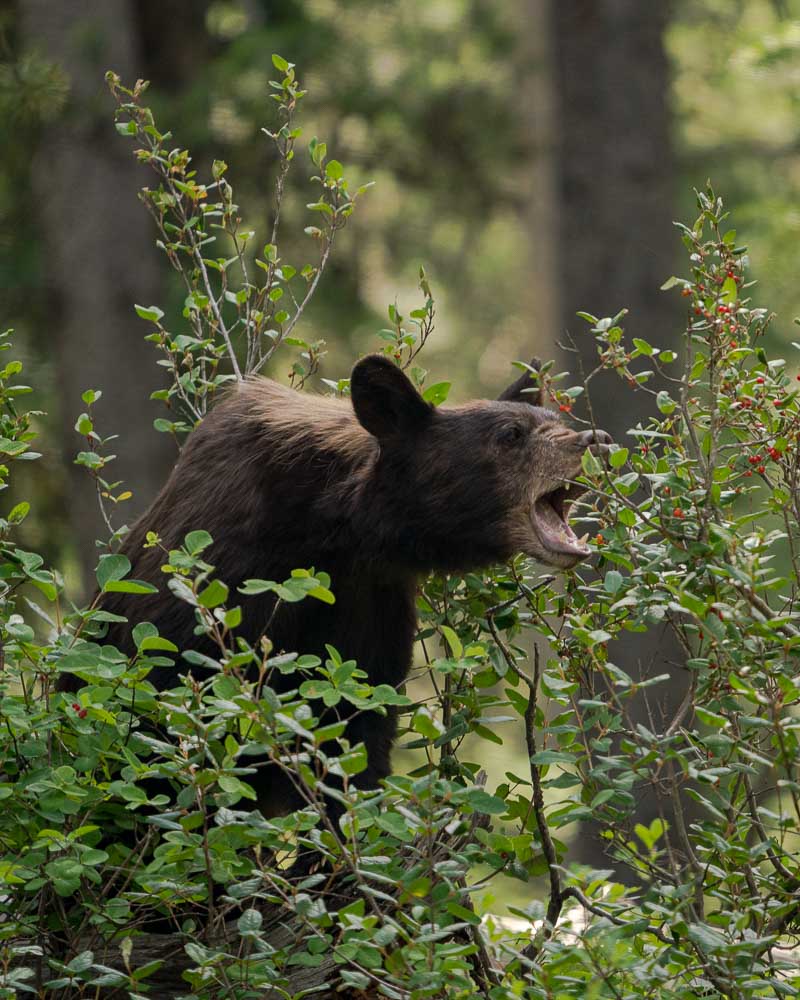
{"x": 511, "y": 435}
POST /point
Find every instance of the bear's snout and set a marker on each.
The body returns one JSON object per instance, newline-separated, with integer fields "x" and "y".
{"x": 599, "y": 441}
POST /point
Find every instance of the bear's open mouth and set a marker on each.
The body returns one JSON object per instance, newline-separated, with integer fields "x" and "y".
{"x": 549, "y": 520}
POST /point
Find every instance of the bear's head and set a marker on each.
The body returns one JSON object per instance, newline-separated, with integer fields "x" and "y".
{"x": 460, "y": 487}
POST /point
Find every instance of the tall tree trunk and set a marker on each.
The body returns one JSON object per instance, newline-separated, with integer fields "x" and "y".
{"x": 613, "y": 149}
{"x": 615, "y": 242}
{"x": 100, "y": 254}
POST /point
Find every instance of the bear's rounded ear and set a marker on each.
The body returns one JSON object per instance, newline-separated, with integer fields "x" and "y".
{"x": 384, "y": 399}
{"x": 525, "y": 390}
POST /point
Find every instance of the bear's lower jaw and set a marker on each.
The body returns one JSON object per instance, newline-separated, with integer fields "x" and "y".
{"x": 557, "y": 544}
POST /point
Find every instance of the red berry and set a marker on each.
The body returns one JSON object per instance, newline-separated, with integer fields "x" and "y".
{"x": 760, "y": 380}
{"x": 761, "y": 469}
{"x": 599, "y": 540}
{"x": 685, "y": 292}
{"x": 677, "y": 512}
{"x": 748, "y": 473}
{"x": 82, "y": 713}
{"x": 565, "y": 407}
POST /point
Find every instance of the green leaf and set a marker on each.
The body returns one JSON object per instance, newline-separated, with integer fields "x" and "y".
{"x": 258, "y": 587}
{"x": 665, "y": 402}
{"x": 142, "y": 631}
{"x": 591, "y": 464}
{"x": 483, "y": 802}
{"x": 81, "y": 962}
{"x": 706, "y": 938}
{"x": 233, "y": 618}
{"x": 153, "y": 313}
{"x": 322, "y": 594}
{"x": 19, "y": 512}
{"x": 334, "y": 170}
{"x": 709, "y": 718}
{"x": 251, "y": 920}
{"x": 112, "y": 567}
{"x": 197, "y": 541}
{"x": 650, "y": 835}
{"x": 13, "y": 448}
{"x": 353, "y": 762}
{"x": 452, "y": 641}
{"x": 424, "y": 724}
{"x": 157, "y": 642}
{"x": 730, "y": 291}
{"x": 280, "y": 63}
{"x": 84, "y": 425}
{"x": 396, "y": 825}
{"x": 437, "y": 393}
{"x": 214, "y": 594}
{"x": 552, "y": 757}
{"x": 318, "y": 151}
{"x": 602, "y": 796}
{"x": 129, "y": 587}
{"x": 462, "y": 913}
{"x": 695, "y": 604}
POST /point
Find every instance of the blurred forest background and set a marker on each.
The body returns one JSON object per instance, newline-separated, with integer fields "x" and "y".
{"x": 531, "y": 154}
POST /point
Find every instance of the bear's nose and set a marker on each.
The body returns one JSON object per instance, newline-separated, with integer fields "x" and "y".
{"x": 601, "y": 438}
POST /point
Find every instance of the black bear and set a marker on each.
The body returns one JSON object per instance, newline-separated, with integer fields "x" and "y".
{"x": 376, "y": 492}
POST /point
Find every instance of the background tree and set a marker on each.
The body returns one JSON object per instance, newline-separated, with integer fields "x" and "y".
{"x": 614, "y": 239}
{"x": 616, "y": 177}
{"x": 78, "y": 166}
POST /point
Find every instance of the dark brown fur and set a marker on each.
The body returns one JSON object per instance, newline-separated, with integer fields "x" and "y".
{"x": 376, "y": 494}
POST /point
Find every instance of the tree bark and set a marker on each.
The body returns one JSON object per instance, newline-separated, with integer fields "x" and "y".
{"x": 100, "y": 256}
{"x": 614, "y": 162}
{"x": 613, "y": 236}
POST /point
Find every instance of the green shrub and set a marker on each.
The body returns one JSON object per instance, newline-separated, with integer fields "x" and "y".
{"x": 119, "y": 823}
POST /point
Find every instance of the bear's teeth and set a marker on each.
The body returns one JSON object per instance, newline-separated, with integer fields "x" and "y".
{"x": 582, "y": 541}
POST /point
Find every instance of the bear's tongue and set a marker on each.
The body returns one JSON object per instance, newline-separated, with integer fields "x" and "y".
{"x": 551, "y": 525}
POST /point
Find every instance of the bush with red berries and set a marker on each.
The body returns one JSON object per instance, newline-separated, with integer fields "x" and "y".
{"x": 128, "y": 813}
